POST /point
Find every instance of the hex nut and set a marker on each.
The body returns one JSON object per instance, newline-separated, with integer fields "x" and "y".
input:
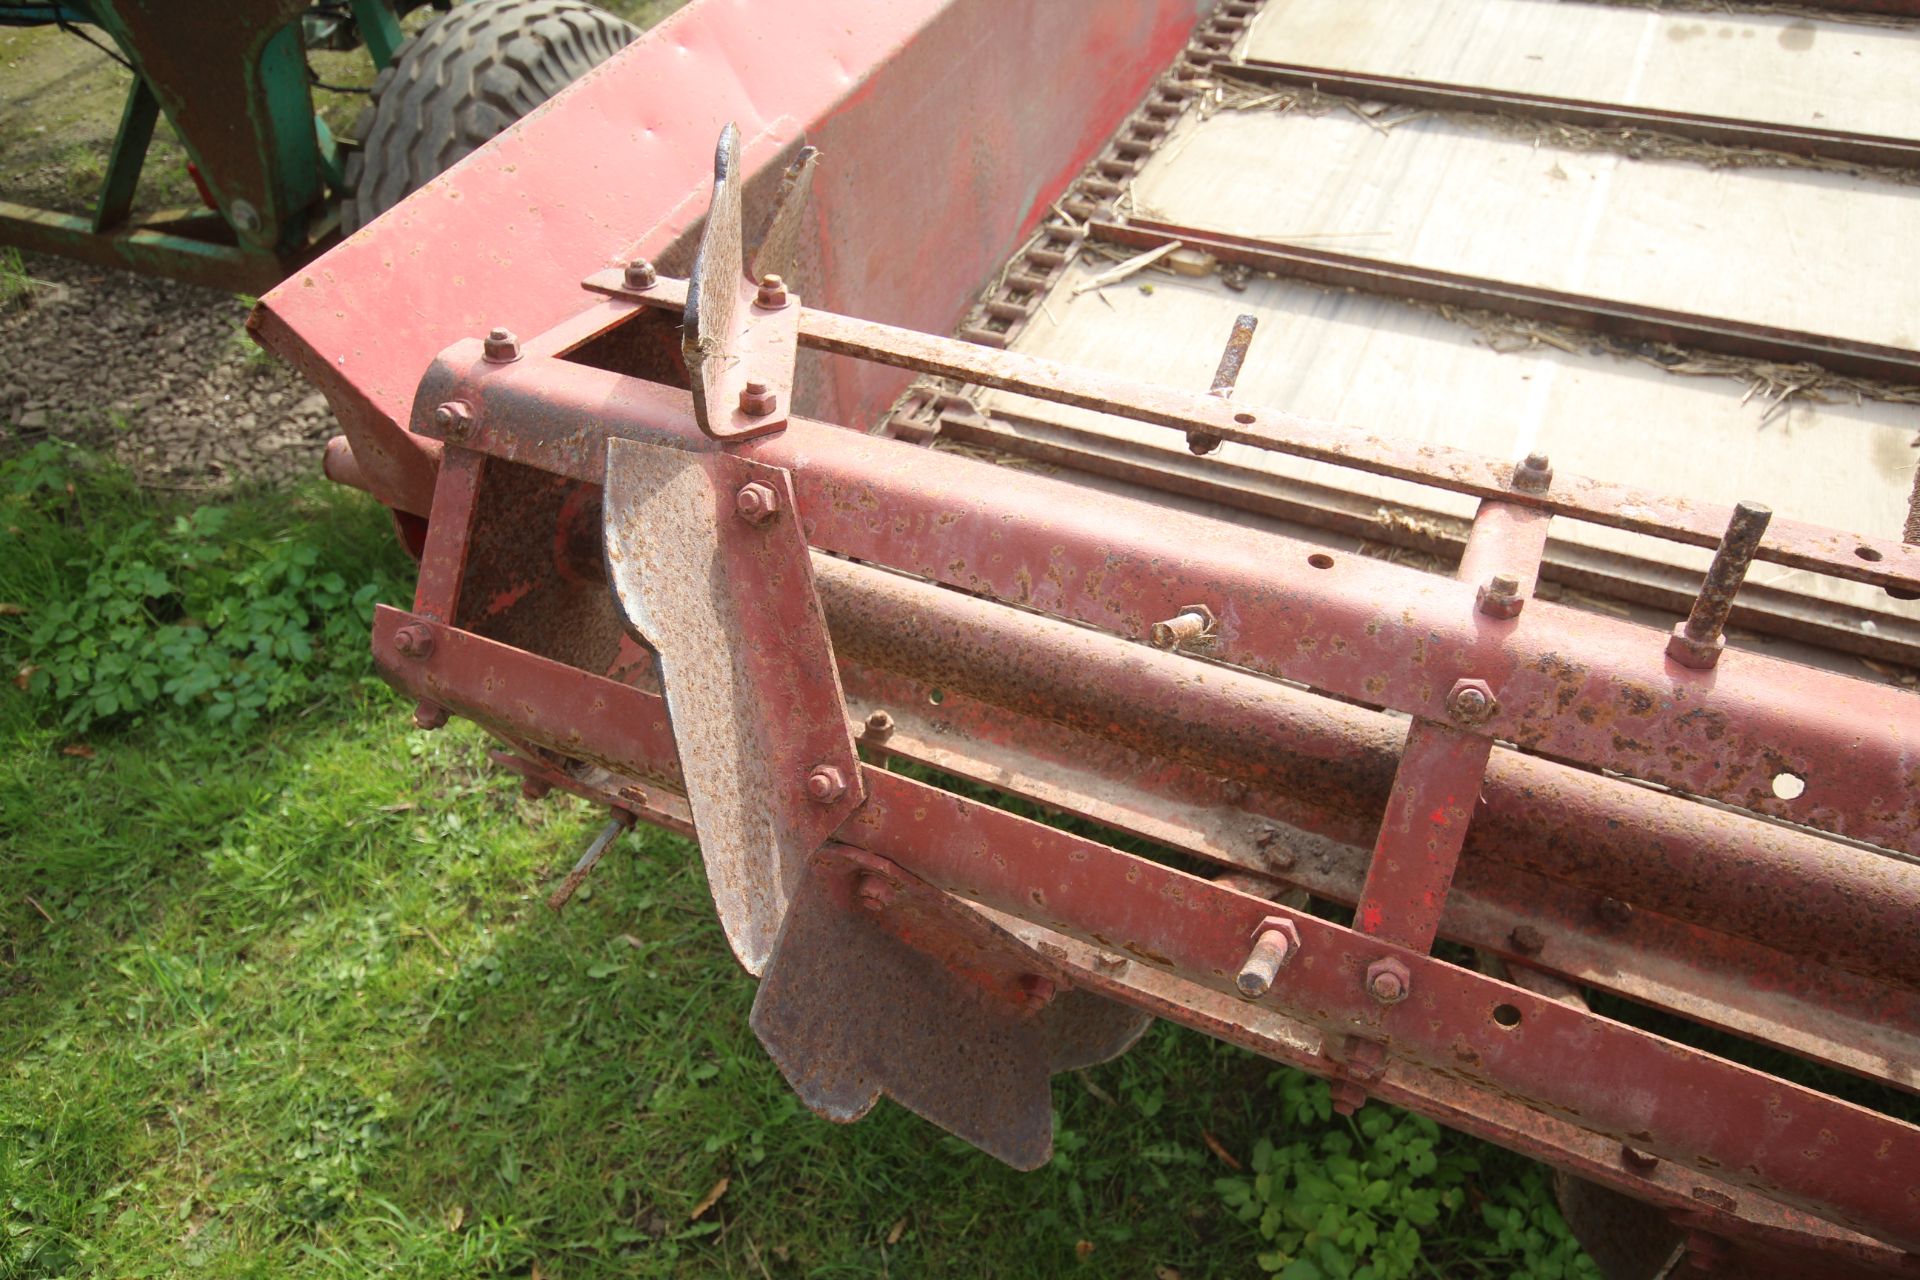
{"x": 1695, "y": 655}
{"x": 1533, "y": 474}
{"x": 429, "y": 715}
{"x": 826, "y": 784}
{"x": 756, "y": 503}
{"x": 1472, "y": 702}
{"x": 758, "y": 400}
{"x": 880, "y": 725}
{"x": 501, "y": 346}
{"x": 1388, "y": 980}
{"x": 454, "y": 419}
{"x": 640, "y": 275}
{"x": 413, "y": 642}
{"x": 1499, "y": 596}
{"x": 772, "y": 295}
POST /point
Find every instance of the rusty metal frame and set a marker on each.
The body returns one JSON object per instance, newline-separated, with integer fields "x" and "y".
{"x": 1579, "y": 311}
{"x": 1732, "y": 131}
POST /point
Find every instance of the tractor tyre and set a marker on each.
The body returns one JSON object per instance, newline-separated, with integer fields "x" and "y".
{"x": 467, "y": 75}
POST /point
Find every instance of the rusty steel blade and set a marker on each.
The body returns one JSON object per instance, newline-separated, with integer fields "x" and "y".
{"x": 739, "y": 353}
{"x": 779, "y": 250}
{"x": 711, "y": 570}
{"x": 882, "y": 984}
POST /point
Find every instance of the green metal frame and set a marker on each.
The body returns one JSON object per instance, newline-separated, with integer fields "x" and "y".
{"x": 236, "y": 90}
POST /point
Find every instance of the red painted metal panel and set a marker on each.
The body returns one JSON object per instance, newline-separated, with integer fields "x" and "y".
{"x": 946, "y": 127}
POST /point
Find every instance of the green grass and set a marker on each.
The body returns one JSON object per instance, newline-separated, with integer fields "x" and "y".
{"x": 284, "y": 999}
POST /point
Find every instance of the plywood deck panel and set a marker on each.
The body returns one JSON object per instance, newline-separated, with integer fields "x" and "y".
{"x": 1822, "y": 252}
{"x": 1779, "y": 69}
{"x": 1385, "y": 366}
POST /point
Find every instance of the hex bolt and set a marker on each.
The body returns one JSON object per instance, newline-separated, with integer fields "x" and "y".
{"x": 1193, "y": 625}
{"x": 455, "y": 419}
{"x": 1388, "y": 980}
{"x": 429, "y": 715}
{"x": 880, "y": 725}
{"x": 756, "y": 503}
{"x": 1273, "y": 945}
{"x": 1698, "y": 642}
{"x": 1639, "y": 1161}
{"x": 501, "y": 346}
{"x": 1036, "y": 991}
{"x": 1499, "y": 596}
{"x": 772, "y": 295}
{"x": 413, "y": 642}
{"x": 1202, "y": 443}
{"x": 757, "y": 399}
{"x": 1533, "y": 474}
{"x": 872, "y": 892}
{"x": 535, "y": 788}
{"x": 640, "y": 275}
{"x": 1472, "y": 702}
{"x": 826, "y": 784}
{"x": 1613, "y": 911}
{"x": 1348, "y": 1097}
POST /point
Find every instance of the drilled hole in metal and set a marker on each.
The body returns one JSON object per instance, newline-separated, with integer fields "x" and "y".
{"x": 1868, "y": 554}
{"x": 1244, "y": 419}
{"x": 1320, "y": 560}
{"x": 1506, "y": 1015}
{"x": 936, "y": 696}
{"x": 1788, "y": 786}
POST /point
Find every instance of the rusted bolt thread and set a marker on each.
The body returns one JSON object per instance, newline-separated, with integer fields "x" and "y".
{"x": 1180, "y": 629}
{"x": 1728, "y": 570}
{"x": 1227, "y": 373}
{"x": 1271, "y": 951}
{"x": 640, "y": 274}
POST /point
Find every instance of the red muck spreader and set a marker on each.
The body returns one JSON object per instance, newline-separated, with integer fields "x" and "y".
{"x": 1451, "y": 766}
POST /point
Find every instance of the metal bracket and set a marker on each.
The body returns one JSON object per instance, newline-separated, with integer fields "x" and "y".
{"x": 711, "y": 569}
{"x": 740, "y": 342}
{"x": 883, "y": 984}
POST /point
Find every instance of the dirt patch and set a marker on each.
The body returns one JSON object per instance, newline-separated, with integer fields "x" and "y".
{"x": 159, "y": 374}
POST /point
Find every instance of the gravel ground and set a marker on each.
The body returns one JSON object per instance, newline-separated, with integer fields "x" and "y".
{"x": 160, "y": 374}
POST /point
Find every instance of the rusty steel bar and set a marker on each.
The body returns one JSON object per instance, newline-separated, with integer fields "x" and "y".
{"x": 1570, "y": 685}
{"x": 1878, "y": 561}
{"x": 1731, "y": 131}
{"x": 1755, "y": 1132}
{"x": 1578, "y": 311}
{"x": 1770, "y": 883}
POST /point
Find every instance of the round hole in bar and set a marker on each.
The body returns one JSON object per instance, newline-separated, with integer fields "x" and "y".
{"x": 1506, "y": 1015}
{"x": 1788, "y": 786}
{"x": 1868, "y": 554}
{"x": 1244, "y": 419}
{"x": 1320, "y": 560}
{"x": 936, "y": 696}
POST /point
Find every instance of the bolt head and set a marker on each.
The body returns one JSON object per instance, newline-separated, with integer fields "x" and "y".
{"x": 455, "y": 419}
{"x": 1639, "y": 1161}
{"x": 1472, "y": 702}
{"x": 640, "y": 274}
{"x": 245, "y": 218}
{"x": 826, "y": 784}
{"x": 880, "y": 724}
{"x": 429, "y": 715}
{"x": 758, "y": 400}
{"x": 1388, "y": 981}
{"x": 501, "y": 346}
{"x": 1499, "y": 596}
{"x": 535, "y": 788}
{"x": 1527, "y": 940}
{"x": 413, "y": 642}
{"x": 756, "y": 503}
{"x": 773, "y": 293}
